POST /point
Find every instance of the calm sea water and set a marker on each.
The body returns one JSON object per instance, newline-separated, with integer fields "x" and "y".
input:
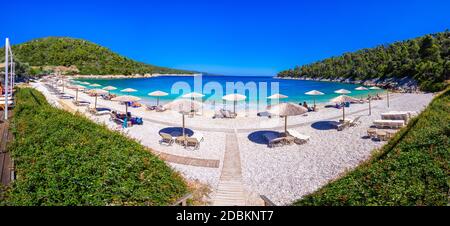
{"x": 214, "y": 87}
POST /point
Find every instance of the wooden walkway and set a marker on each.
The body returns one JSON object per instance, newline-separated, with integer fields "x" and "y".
{"x": 6, "y": 165}
{"x": 209, "y": 163}
{"x": 230, "y": 191}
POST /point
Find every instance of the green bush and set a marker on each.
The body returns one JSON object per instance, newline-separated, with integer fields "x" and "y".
{"x": 88, "y": 57}
{"x": 412, "y": 169}
{"x": 65, "y": 159}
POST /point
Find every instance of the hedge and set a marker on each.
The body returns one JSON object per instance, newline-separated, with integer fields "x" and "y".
{"x": 64, "y": 159}
{"x": 412, "y": 169}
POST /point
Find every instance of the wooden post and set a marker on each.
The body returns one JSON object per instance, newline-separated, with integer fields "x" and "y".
{"x": 387, "y": 92}
{"x": 6, "y": 78}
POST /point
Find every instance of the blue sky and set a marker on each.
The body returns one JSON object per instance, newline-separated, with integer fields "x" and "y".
{"x": 227, "y": 37}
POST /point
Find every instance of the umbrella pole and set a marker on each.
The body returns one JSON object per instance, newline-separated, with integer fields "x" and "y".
{"x": 95, "y": 105}
{"x": 285, "y": 124}
{"x": 184, "y": 133}
{"x": 183, "y": 122}
{"x": 343, "y": 113}
{"x": 157, "y": 101}
{"x": 126, "y": 109}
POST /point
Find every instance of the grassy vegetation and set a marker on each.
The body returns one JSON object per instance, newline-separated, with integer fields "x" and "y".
{"x": 88, "y": 57}
{"x": 412, "y": 169}
{"x": 65, "y": 159}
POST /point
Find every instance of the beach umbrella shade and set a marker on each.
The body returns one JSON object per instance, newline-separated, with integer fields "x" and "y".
{"x": 95, "y": 85}
{"x": 183, "y": 107}
{"x": 342, "y": 99}
{"x": 314, "y": 93}
{"x": 285, "y": 110}
{"x": 235, "y": 98}
{"x": 277, "y": 96}
{"x": 128, "y": 90}
{"x": 97, "y": 92}
{"x": 126, "y": 98}
{"x": 158, "y": 94}
{"x": 109, "y": 89}
{"x": 193, "y": 95}
{"x": 77, "y": 87}
{"x": 362, "y": 88}
{"x": 342, "y": 91}
{"x": 387, "y": 93}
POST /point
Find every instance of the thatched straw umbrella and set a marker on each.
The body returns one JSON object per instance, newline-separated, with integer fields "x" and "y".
{"x": 126, "y": 98}
{"x": 95, "y": 85}
{"x": 314, "y": 93}
{"x": 158, "y": 94}
{"x": 277, "y": 96}
{"x": 193, "y": 95}
{"x": 109, "y": 89}
{"x": 285, "y": 110}
{"x": 362, "y": 88}
{"x": 97, "y": 92}
{"x": 128, "y": 90}
{"x": 78, "y": 87}
{"x": 342, "y": 99}
{"x": 387, "y": 93}
{"x": 183, "y": 107}
{"x": 235, "y": 98}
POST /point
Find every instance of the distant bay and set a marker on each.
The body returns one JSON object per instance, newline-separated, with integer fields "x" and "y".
{"x": 262, "y": 85}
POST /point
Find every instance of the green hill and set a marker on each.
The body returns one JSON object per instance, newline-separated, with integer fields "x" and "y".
{"x": 411, "y": 170}
{"x": 424, "y": 59}
{"x": 87, "y": 57}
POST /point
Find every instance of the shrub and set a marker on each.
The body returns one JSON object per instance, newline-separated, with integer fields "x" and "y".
{"x": 65, "y": 159}
{"x": 412, "y": 169}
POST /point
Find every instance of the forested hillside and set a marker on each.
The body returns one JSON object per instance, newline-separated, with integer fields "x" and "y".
{"x": 87, "y": 57}
{"x": 425, "y": 59}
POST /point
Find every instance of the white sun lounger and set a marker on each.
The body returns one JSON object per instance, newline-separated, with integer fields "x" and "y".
{"x": 10, "y": 102}
{"x": 389, "y": 123}
{"x": 299, "y": 138}
{"x": 3, "y": 98}
{"x": 396, "y": 115}
{"x": 198, "y": 136}
{"x": 166, "y": 138}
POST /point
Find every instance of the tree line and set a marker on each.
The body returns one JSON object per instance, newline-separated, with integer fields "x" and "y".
{"x": 425, "y": 59}
{"x": 89, "y": 58}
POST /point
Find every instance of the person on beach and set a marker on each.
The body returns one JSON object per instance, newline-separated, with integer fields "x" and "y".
{"x": 305, "y": 105}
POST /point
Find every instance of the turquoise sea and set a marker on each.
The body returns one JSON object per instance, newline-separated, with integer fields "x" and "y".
{"x": 214, "y": 87}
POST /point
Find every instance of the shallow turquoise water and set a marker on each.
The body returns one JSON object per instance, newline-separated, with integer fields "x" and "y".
{"x": 214, "y": 87}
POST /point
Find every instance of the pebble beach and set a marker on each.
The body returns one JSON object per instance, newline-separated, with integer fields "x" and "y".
{"x": 283, "y": 174}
